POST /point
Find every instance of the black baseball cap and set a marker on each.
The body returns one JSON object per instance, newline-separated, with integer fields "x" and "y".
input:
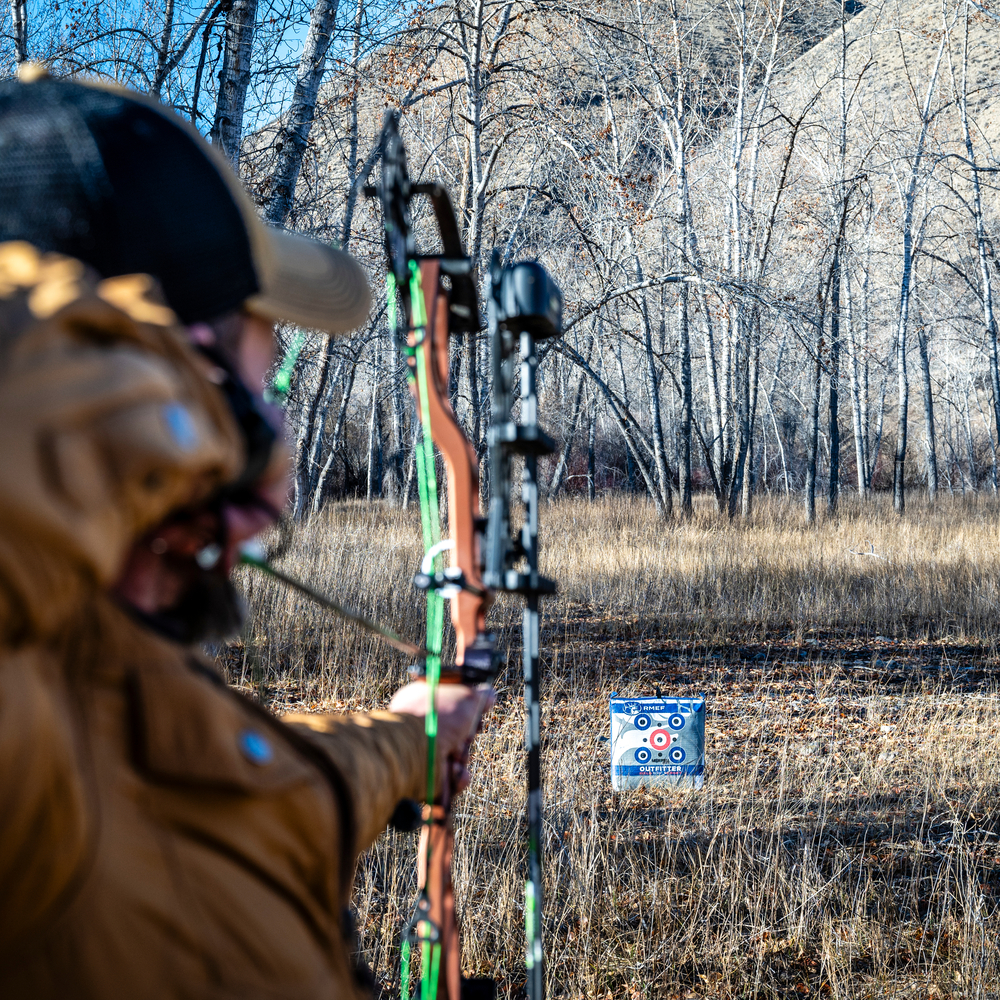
{"x": 122, "y": 183}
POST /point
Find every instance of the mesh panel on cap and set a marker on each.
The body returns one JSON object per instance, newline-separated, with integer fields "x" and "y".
{"x": 54, "y": 192}
{"x": 92, "y": 174}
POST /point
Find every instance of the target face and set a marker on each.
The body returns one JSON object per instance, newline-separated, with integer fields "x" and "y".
{"x": 659, "y": 739}
{"x": 658, "y": 742}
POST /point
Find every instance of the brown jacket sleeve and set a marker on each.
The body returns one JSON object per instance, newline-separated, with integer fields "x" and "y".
{"x": 382, "y": 757}
{"x": 44, "y": 822}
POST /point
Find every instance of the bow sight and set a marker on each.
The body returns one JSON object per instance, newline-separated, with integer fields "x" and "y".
{"x": 524, "y": 304}
{"x": 439, "y": 296}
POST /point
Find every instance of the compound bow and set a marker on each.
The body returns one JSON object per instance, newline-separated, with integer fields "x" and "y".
{"x": 439, "y": 297}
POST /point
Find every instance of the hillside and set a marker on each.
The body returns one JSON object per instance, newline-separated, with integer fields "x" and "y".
{"x": 889, "y": 52}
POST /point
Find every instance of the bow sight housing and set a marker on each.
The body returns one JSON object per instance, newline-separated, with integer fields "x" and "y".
{"x": 527, "y": 300}
{"x": 525, "y": 306}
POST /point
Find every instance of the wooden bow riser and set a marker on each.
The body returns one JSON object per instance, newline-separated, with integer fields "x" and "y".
{"x": 468, "y": 609}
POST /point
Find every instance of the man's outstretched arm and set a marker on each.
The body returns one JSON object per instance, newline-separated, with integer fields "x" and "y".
{"x": 383, "y": 755}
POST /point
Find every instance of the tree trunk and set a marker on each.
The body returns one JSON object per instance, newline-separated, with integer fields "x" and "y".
{"x": 19, "y": 19}
{"x": 903, "y": 403}
{"x": 293, "y": 136}
{"x": 982, "y": 245}
{"x": 357, "y": 177}
{"x": 714, "y": 402}
{"x": 928, "y": 400}
{"x": 629, "y": 463}
{"x": 745, "y": 377}
{"x": 234, "y": 78}
{"x": 876, "y": 448}
{"x": 167, "y": 61}
{"x": 320, "y": 489}
{"x": 622, "y": 416}
{"x": 373, "y": 479}
{"x": 199, "y": 72}
{"x": 591, "y": 453}
{"x": 970, "y": 443}
{"x": 665, "y": 504}
{"x": 411, "y": 464}
{"x": 555, "y": 484}
{"x": 729, "y": 363}
{"x": 322, "y": 411}
{"x": 905, "y": 293}
{"x": 163, "y": 55}
{"x": 953, "y": 464}
{"x": 398, "y": 456}
{"x": 684, "y": 464}
{"x": 812, "y": 441}
{"x": 834, "y": 414}
{"x": 471, "y": 349}
{"x": 859, "y": 424}
{"x": 748, "y": 474}
{"x": 310, "y": 444}
{"x": 310, "y": 429}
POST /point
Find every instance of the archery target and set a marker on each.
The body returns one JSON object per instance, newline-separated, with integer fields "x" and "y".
{"x": 659, "y": 739}
{"x": 657, "y": 742}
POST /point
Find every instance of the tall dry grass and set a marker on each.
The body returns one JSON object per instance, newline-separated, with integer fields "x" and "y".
{"x": 847, "y": 840}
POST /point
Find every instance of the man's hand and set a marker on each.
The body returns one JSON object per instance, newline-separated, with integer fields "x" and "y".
{"x": 460, "y": 712}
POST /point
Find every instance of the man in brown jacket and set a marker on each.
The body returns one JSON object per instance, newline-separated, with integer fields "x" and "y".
{"x": 161, "y": 837}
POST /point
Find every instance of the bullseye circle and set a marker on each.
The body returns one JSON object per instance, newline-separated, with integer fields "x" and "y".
{"x": 643, "y": 755}
{"x": 676, "y": 722}
{"x": 659, "y": 739}
{"x": 677, "y": 755}
{"x": 642, "y": 722}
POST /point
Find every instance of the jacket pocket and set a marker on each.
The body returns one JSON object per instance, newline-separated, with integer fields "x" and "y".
{"x": 191, "y": 730}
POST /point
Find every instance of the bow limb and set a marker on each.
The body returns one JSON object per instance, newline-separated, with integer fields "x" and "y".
{"x": 437, "y": 846}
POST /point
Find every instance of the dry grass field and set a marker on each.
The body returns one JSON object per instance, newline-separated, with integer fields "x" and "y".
{"x": 847, "y": 840}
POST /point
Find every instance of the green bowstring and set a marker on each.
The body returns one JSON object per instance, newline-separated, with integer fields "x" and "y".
{"x": 430, "y": 522}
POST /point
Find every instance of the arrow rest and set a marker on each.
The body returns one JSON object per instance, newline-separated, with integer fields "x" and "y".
{"x": 438, "y": 292}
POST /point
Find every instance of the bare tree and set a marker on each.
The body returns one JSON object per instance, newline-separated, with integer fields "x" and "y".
{"x": 234, "y": 78}
{"x": 19, "y": 20}
{"x": 908, "y": 184}
{"x": 293, "y": 136}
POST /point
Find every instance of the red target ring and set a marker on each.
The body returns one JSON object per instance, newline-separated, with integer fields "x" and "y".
{"x": 659, "y": 739}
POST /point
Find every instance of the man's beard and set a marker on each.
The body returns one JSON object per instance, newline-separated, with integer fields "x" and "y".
{"x": 208, "y": 610}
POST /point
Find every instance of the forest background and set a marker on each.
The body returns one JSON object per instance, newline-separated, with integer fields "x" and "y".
{"x": 769, "y": 219}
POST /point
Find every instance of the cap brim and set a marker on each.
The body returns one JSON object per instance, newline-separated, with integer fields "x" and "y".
{"x": 309, "y": 283}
